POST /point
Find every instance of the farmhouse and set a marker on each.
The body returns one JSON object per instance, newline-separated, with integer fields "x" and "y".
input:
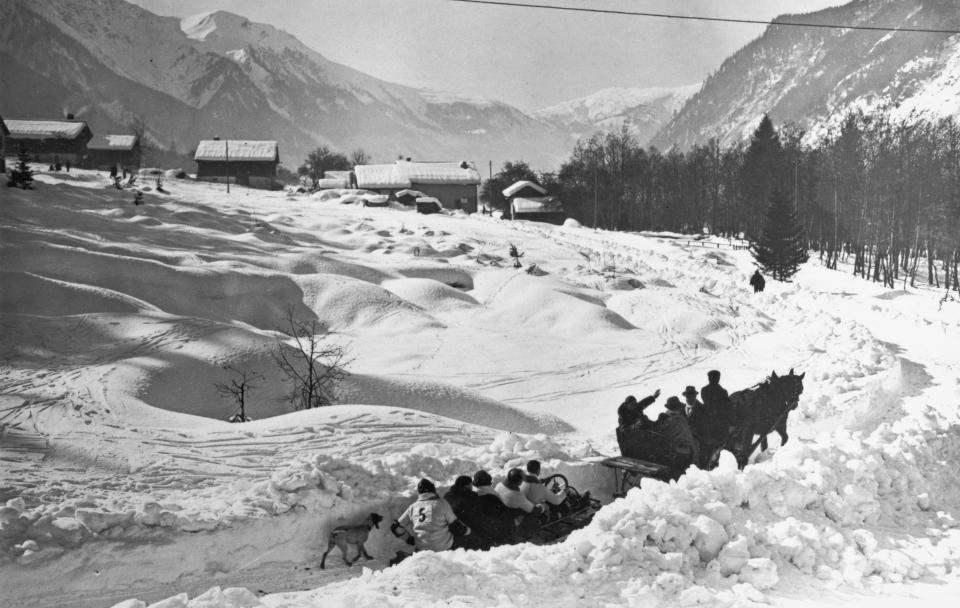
{"x": 453, "y": 184}
{"x": 49, "y": 140}
{"x": 245, "y": 162}
{"x": 4, "y": 133}
{"x": 105, "y": 151}
{"x": 530, "y": 201}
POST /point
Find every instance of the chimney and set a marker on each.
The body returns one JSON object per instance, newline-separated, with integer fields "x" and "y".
{"x": 216, "y": 138}
{"x": 69, "y": 116}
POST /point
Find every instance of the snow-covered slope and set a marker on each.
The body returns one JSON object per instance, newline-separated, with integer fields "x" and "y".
{"x": 234, "y": 76}
{"x": 811, "y": 77}
{"x": 121, "y": 479}
{"x": 643, "y": 110}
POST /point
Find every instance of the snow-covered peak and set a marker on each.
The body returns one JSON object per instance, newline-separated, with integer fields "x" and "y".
{"x": 222, "y": 32}
{"x": 613, "y": 101}
{"x": 199, "y": 26}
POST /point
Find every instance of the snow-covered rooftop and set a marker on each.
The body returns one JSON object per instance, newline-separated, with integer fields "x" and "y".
{"x": 238, "y": 149}
{"x": 404, "y": 174}
{"x": 44, "y": 129}
{"x": 520, "y": 185}
{"x": 112, "y": 142}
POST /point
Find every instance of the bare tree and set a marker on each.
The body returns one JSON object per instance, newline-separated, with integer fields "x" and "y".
{"x": 238, "y": 387}
{"x": 359, "y": 157}
{"x": 314, "y": 367}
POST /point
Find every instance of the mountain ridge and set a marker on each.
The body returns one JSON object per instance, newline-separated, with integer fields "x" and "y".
{"x": 812, "y": 77}
{"x": 243, "y": 79}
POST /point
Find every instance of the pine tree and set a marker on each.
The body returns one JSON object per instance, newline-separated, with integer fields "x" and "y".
{"x": 780, "y": 249}
{"x": 21, "y": 175}
{"x": 761, "y": 173}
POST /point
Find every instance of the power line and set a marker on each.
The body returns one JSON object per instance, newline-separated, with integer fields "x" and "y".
{"x": 602, "y": 11}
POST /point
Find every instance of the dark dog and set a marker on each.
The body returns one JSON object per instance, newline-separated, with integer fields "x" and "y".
{"x": 344, "y": 536}
{"x": 399, "y": 557}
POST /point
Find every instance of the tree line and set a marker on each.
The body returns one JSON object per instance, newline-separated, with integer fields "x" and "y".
{"x": 883, "y": 194}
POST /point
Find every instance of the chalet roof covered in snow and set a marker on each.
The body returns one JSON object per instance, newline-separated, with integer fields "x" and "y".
{"x": 112, "y": 142}
{"x": 237, "y": 149}
{"x": 46, "y": 129}
{"x": 520, "y": 185}
{"x": 404, "y": 174}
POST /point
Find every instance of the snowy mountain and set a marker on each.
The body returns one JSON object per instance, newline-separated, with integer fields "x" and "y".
{"x": 811, "y": 76}
{"x": 219, "y": 74}
{"x": 644, "y": 110}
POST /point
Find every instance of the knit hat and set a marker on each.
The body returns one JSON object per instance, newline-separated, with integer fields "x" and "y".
{"x": 482, "y": 478}
{"x": 514, "y": 476}
{"x": 689, "y": 391}
{"x": 673, "y": 403}
{"x": 425, "y": 485}
{"x": 462, "y": 482}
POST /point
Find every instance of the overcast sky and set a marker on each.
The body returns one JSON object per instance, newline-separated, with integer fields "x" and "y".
{"x": 528, "y": 57}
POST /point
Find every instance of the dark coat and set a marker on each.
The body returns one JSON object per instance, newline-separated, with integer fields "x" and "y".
{"x": 757, "y": 281}
{"x": 491, "y": 522}
{"x": 718, "y": 409}
{"x": 674, "y": 426}
{"x": 631, "y": 413}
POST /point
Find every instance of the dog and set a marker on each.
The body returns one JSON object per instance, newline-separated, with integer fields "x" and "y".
{"x": 342, "y": 537}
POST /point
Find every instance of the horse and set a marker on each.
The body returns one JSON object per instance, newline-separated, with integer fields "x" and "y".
{"x": 762, "y": 410}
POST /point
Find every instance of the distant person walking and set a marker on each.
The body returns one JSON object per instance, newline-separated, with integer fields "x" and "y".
{"x": 757, "y": 281}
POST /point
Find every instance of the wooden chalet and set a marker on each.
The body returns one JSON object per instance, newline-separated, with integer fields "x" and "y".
{"x": 47, "y": 141}
{"x": 4, "y": 134}
{"x": 530, "y": 201}
{"x": 105, "y": 151}
{"x": 453, "y": 184}
{"x": 245, "y": 162}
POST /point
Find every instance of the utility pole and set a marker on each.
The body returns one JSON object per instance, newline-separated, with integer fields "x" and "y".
{"x": 226, "y": 144}
{"x": 596, "y": 200}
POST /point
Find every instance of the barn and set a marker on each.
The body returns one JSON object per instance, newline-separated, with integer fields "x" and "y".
{"x": 454, "y": 184}
{"x": 530, "y": 201}
{"x": 47, "y": 141}
{"x": 241, "y": 161}
{"x": 4, "y": 134}
{"x": 105, "y": 151}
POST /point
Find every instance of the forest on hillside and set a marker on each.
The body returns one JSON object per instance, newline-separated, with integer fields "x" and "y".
{"x": 884, "y": 195}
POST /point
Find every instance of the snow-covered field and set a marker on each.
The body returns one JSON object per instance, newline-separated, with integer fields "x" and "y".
{"x": 121, "y": 480}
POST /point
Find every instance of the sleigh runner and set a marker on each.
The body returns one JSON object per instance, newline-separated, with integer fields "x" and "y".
{"x": 575, "y": 512}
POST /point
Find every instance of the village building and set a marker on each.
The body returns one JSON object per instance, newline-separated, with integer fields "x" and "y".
{"x": 336, "y": 179}
{"x": 48, "y": 141}
{"x": 530, "y": 201}
{"x": 245, "y": 162}
{"x": 453, "y": 184}
{"x": 105, "y": 151}
{"x": 4, "y": 134}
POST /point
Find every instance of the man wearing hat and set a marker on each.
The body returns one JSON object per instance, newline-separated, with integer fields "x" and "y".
{"x": 673, "y": 424}
{"x": 692, "y": 405}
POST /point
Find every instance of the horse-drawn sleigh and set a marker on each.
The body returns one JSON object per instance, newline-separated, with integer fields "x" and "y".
{"x": 756, "y": 412}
